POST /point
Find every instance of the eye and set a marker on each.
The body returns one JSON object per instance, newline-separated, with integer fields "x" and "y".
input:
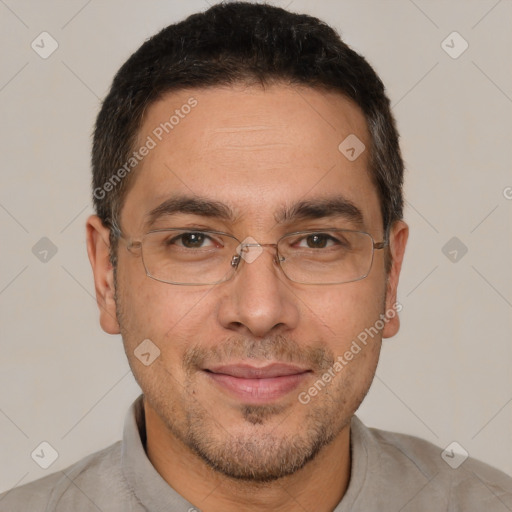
{"x": 192, "y": 240}
{"x": 318, "y": 241}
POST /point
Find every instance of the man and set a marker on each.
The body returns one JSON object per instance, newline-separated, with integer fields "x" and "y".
{"x": 247, "y": 246}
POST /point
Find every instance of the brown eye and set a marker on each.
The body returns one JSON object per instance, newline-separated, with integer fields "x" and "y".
{"x": 190, "y": 240}
{"x": 317, "y": 241}
{"x": 193, "y": 240}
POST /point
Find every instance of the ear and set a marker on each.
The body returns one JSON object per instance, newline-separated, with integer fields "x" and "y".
{"x": 397, "y": 241}
{"x": 98, "y": 248}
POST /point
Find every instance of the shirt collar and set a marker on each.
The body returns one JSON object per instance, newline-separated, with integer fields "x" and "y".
{"x": 153, "y": 492}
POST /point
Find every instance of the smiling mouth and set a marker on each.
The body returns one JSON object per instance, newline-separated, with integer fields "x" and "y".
{"x": 257, "y": 384}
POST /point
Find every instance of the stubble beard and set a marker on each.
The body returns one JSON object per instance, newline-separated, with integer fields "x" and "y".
{"x": 254, "y": 452}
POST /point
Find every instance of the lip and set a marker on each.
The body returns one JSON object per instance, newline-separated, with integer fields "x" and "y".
{"x": 257, "y": 384}
{"x": 246, "y": 371}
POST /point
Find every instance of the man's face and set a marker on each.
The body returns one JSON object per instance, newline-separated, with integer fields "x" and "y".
{"x": 256, "y": 152}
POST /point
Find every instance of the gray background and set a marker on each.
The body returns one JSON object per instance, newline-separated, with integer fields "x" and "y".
{"x": 445, "y": 377}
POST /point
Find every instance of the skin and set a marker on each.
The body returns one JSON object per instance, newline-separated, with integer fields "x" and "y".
{"x": 254, "y": 150}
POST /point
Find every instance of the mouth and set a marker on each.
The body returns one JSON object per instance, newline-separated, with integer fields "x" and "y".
{"x": 254, "y": 384}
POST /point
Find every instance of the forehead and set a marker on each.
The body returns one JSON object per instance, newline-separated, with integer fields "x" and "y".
{"x": 256, "y": 150}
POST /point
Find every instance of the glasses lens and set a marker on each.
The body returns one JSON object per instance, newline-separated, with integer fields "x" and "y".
{"x": 326, "y": 257}
{"x": 188, "y": 257}
{"x": 181, "y": 256}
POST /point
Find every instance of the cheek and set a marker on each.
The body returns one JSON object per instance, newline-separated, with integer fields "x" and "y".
{"x": 346, "y": 311}
{"x": 355, "y": 342}
{"x": 170, "y": 316}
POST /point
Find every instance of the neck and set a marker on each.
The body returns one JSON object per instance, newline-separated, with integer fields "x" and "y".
{"x": 319, "y": 485}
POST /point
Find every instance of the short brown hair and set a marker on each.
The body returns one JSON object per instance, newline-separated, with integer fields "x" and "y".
{"x": 231, "y": 43}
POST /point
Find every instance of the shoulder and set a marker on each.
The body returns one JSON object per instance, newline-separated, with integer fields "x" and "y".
{"x": 448, "y": 476}
{"x": 80, "y": 482}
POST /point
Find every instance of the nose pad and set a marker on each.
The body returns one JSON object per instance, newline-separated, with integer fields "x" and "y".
{"x": 235, "y": 261}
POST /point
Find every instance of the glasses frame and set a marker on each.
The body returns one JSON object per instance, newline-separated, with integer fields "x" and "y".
{"x": 134, "y": 246}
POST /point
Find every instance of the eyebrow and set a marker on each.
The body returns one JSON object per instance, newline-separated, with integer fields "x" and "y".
{"x": 193, "y": 206}
{"x": 330, "y": 207}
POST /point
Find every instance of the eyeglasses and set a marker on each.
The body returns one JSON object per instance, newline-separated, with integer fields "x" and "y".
{"x": 202, "y": 257}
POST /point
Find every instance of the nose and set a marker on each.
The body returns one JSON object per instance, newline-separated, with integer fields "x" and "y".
{"x": 258, "y": 300}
